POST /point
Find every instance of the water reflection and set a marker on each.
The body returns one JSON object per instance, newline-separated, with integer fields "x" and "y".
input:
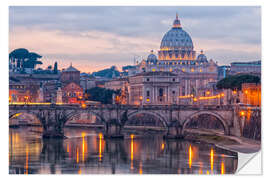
{"x": 87, "y": 152}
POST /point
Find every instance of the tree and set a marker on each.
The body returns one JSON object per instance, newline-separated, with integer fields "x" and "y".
{"x": 32, "y": 60}
{"x": 236, "y": 81}
{"x": 100, "y": 94}
{"x": 108, "y": 73}
{"x": 55, "y": 68}
{"x": 22, "y": 58}
{"x": 18, "y": 56}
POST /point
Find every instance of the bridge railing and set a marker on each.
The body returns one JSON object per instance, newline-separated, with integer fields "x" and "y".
{"x": 118, "y": 106}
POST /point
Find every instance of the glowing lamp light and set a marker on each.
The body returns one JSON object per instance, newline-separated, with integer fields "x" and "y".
{"x": 147, "y": 99}
{"x": 162, "y": 146}
{"x": 207, "y": 92}
{"x": 140, "y": 97}
{"x": 222, "y": 94}
{"x": 246, "y": 91}
{"x": 83, "y": 105}
{"x": 195, "y": 99}
{"x": 234, "y": 92}
{"x": 242, "y": 113}
{"x": 100, "y": 135}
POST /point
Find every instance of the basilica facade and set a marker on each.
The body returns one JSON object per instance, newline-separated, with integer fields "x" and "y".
{"x": 194, "y": 75}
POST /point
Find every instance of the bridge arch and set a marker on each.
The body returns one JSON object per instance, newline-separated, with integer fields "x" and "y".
{"x": 219, "y": 118}
{"x": 34, "y": 120}
{"x": 74, "y": 113}
{"x": 155, "y": 114}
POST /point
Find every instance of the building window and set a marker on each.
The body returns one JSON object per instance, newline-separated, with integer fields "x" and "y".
{"x": 160, "y": 92}
{"x": 147, "y": 93}
{"x": 173, "y": 79}
{"x": 147, "y": 79}
{"x": 183, "y": 91}
{"x": 192, "y": 69}
{"x": 173, "y": 92}
{"x": 183, "y": 69}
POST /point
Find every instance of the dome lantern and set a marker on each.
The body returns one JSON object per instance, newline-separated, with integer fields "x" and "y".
{"x": 176, "y": 22}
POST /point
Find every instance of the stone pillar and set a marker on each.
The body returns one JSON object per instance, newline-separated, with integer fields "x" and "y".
{"x": 113, "y": 98}
{"x": 113, "y": 130}
{"x": 40, "y": 95}
{"x": 59, "y": 96}
{"x": 236, "y": 129}
{"x": 175, "y": 131}
{"x": 53, "y": 123}
{"x": 186, "y": 87}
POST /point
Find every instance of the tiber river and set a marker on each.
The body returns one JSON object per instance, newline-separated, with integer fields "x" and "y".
{"x": 85, "y": 151}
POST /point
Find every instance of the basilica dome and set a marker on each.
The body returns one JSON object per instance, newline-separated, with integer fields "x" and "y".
{"x": 176, "y": 38}
{"x": 176, "y": 44}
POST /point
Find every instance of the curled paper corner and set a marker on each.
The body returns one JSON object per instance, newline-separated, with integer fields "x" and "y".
{"x": 249, "y": 164}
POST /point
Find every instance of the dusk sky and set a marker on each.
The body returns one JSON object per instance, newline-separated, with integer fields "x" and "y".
{"x": 94, "y": 38}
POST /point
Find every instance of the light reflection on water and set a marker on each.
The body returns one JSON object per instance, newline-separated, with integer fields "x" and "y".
{"x": 85, "y": 151}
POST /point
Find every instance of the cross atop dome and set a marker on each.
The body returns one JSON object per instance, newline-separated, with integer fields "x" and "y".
{"x": 201, "y": 51}
{"x": 176, "y": 22}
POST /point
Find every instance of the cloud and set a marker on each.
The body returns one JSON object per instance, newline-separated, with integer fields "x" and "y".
{"x": 85, "y": 47}
{"x": 112, "y": 35}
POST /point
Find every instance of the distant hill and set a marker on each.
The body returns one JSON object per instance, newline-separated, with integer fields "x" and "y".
{"x": 107, "y": 73}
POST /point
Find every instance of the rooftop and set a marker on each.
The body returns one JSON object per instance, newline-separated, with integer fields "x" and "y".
{"x": 71, "y": 69}
{"x": 156, "y": 73}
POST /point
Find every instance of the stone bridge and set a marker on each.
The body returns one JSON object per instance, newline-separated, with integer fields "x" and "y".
{"x": 174, "y": 117}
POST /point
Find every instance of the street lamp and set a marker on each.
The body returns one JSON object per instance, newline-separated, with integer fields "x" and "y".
{"x": 242, "y": 113}
{"x": 83, "y": 105}
{"x": 141, "y": 99}
{"x": 26, "y": 99}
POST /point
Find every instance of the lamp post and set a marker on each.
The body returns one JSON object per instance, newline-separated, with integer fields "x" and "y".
{"x": 207, "y": 94}
{"x": 26, "y": 99}
{"x": 141, "y": 98}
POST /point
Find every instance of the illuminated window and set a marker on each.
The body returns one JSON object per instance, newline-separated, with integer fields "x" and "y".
{"x": 200, "y": 70}
{"x": 153, "y": 70}
{"x": 183, "y": 69}
{"x": 170, "y": 69}
{"x": 192, "y": 69}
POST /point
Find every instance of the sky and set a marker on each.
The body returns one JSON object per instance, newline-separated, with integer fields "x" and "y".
{"x": 97, "y": 37}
